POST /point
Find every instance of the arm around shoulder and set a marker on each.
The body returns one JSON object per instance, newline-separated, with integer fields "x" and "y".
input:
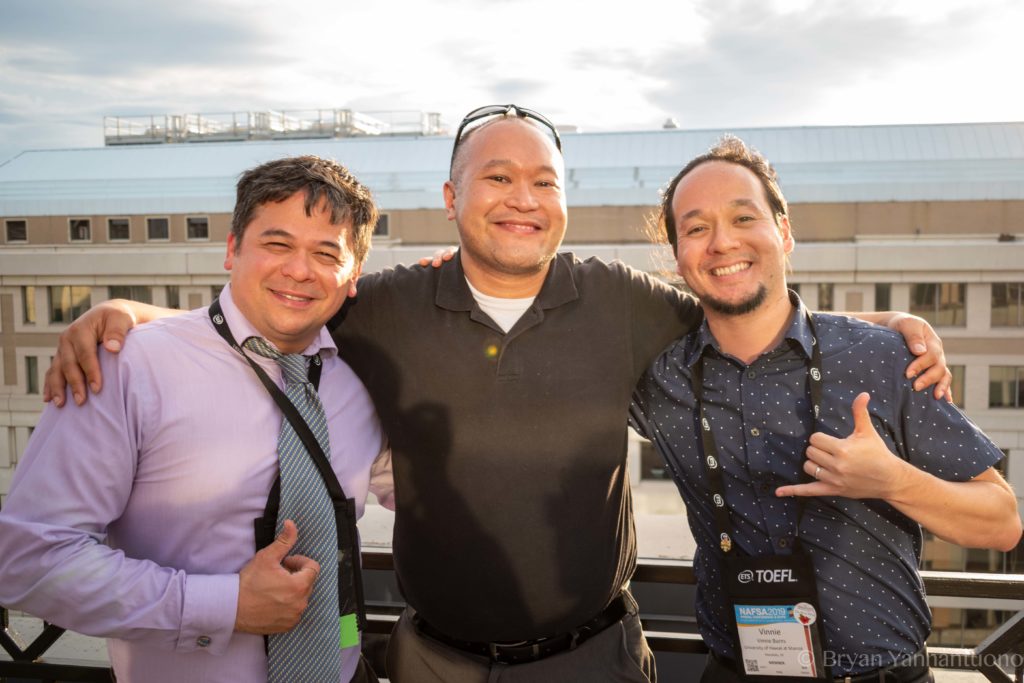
{"x": 660, "y": 314}
{"x": 76, "y": 361}
{"x": 929, "y": 367}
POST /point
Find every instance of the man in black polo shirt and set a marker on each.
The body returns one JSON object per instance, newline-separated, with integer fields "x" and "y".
{"x": 503, "y": 380}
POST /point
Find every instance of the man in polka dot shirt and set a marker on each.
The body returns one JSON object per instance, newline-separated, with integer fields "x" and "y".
{"x": 880, "y": 462}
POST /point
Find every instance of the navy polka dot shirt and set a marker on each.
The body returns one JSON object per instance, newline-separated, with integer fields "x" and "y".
{"x": 865, "y": 553}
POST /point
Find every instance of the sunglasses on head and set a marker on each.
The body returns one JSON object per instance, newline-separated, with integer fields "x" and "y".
{"x": 493, "y": 110}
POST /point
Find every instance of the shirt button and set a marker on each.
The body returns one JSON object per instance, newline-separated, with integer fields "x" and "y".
{"x": 755, "y": 432}
{"x": 783, "y": 543}
{"x": 751, "y": 374}
{"x": 203, "y": 641}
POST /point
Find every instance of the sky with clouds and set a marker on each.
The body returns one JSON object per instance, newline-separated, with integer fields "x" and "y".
{"x": 599, "y": 65}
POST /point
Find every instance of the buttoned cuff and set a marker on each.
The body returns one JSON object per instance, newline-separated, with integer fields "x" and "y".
{"x": 208, "y": 615}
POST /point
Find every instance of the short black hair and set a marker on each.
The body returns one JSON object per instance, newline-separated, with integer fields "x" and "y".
{"x": 322, "y": 180}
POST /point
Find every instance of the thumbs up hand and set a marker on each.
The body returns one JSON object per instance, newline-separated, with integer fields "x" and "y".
{"x": 859, "y": 466}
{"x": 274, "y": 587}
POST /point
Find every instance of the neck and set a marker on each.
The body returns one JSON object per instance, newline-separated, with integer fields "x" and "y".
{"x": 505, "y": 285}
{"x": 747, "y": 336}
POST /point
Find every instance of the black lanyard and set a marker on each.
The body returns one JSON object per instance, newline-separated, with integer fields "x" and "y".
{"x": 350, "y": 582}
{"x": 712, "y": 458}
{"x": 303, "y": 431}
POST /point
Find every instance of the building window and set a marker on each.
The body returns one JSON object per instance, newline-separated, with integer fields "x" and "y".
{"x": 173, "y": 296}
{"x": 1008, "y": 304}
{"x": 826, "y": 297}
{"x": 883, "y": 296}
{"x": 1005, "y": 387}
{"x": 197, "y": 228}
{"x": 28, "y": 305}
{"x": 215, "y": 291}
{"x": 68, "y": 302}
{"x": 957, "y": 385}
{"x": 17, "y": 231}
{"x": 31, "y": 375}
{"x": 158, "y": 229}
{"x": 118, "y": 230}
{"x": 141, "y": 293}
{"x": 382, "y": 228}
{"x": 80, "y": 229}
{"x": 941, "y": 304}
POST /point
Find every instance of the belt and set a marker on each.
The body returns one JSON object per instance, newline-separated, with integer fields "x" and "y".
{"x": 525, "y": 651}
{"x": 899, "y": 673}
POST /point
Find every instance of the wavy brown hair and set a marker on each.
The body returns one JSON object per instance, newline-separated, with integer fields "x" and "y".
{"x": 733, "y": 150}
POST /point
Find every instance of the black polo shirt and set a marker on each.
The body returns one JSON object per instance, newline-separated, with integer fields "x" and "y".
{"x": 513, "y": 516}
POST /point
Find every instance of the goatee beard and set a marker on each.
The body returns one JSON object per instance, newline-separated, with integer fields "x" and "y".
{"x": 741, "y": 308}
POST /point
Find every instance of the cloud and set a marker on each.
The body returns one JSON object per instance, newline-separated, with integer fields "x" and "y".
{"x": 108, "y": 37}
{"x": 758, "y": 65}
{"x": 517, "y": 90}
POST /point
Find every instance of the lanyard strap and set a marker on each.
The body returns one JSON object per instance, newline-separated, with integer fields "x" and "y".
{"x": 302, "y": 429}
{"x": 350, "y": 579}
{"x": 712, "y": 457}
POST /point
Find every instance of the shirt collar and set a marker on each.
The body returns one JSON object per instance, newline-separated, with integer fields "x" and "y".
{"x": 799, "y": 330}
{"x": 242, "y": 329}
{"x": 559, "y": 285}
{"x": 798, "y": 333}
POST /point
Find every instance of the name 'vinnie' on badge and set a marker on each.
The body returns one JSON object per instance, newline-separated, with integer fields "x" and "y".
{"x": 777, "y": 640}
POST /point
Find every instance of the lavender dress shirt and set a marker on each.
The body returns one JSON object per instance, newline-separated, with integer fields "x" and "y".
{"x": 131, "y": 516}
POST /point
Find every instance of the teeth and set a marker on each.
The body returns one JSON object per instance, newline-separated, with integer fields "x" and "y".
{"x": 519, "y": 227}
{"x": 729, "y": 270}
{"x": 294, "y": 298}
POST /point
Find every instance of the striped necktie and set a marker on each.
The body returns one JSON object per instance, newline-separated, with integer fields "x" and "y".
{"x": 310, "y": 651}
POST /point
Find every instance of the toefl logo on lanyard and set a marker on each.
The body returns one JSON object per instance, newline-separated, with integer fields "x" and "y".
{"x": 776, "y": 617}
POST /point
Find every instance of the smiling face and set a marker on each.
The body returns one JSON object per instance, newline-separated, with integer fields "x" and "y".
{"x": 508, "y": 202}
{"x": 290, "y": 272}
{"x": 731, "y": 251}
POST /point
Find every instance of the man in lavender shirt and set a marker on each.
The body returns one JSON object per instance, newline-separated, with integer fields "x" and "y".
{"x": 131, "y": 517}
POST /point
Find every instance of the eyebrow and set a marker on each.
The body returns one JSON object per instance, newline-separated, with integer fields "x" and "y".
{"x": 278, "y": 232}
{"x": 693, "y": 213}
{"x": 493, "y": 163}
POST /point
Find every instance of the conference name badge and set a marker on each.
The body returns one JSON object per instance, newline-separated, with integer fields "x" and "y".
{"x": 777, "y": 640}
{"x": 776, "y": 617}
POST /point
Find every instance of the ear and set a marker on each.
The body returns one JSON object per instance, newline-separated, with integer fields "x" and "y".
{"x": 229, "y": 258}
{"x": 787, "y": 235}
{"x": 352, "y": 283}
{"x": 449, "y": 199}
{"x": 678, "y": 256}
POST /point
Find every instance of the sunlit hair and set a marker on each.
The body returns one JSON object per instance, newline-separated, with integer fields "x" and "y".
{"x": 733, "y": 150}
{"x": 322, "y": 180}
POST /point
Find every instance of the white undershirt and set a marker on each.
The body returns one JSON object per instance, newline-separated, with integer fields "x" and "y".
{"x": 505, "y": 312}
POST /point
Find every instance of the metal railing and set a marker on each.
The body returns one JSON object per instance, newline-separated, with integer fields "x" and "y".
{"x": 1000, "y": 657}
{"x": 266, "y": 125}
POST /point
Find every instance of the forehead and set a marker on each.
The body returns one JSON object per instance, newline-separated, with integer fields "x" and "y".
{"x": 718, "y": 182}
{"x": 289, "y": 217}
{"x": 514, "y": 140}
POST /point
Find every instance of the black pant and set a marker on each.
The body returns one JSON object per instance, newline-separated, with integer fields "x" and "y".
{"x": 364, "y": 672}
{"x": 618, "y": 654}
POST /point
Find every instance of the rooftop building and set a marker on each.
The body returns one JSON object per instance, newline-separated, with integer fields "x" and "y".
{"x": 923, "y": 218}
